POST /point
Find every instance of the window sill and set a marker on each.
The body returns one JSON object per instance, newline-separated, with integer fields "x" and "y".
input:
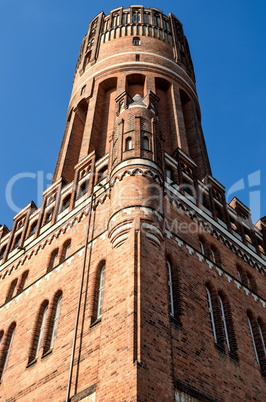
{"x": 220, "y": 348}
{"x": 96, "y": 322}
{"x": 175, "y": 320}
{"x": 47, "y": 353}
{"x": 31, "y": 363}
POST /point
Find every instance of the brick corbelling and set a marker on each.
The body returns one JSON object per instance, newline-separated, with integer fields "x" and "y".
{"x": 208, "y": 227}
{"x": 55, "y": 235}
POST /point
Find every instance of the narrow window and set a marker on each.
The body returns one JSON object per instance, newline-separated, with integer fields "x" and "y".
{"x": 55, "y": 319}
{"x": 136, "y": 41}
{"x": 22, "y": 281}
{"x": 83, "y": 89}
{"x": 40, "y": 332}
{"x": 102, "y": 173}
{"x": 53, "y": 260}
{"x": 212, "y": 252}
{"x": 202, "y": 248}
{"x": 7, "y": 349}
{"x": 262, "y": 338}
{"x": 65, "y": 251}
{"x": 33, "y": 228}
{"x": 169, "y": 173}
{"x": 211, "y": 312}
{"x": 83, "y": 189}
{"x": 11, "y": 290}
{"x": 253, "y": 340}
{"x": 65, "y": 203}
{"x": 100, "y": 293}
{"x": 145, "y": 143}
{"x": 137, "y": 57}
{"x": 17, "y": 241}
{"x": 170, "y": 287}
{"x": 2, "y": 252}
{"x": 224, "y": 323}
{"x": 128, "y": 143}
{"x": 48, "y": 216}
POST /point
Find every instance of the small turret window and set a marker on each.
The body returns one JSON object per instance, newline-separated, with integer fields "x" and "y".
{"x": 128, "y": 143}
{"x": 136, "y": 41}
{"x": 146, "y": 143}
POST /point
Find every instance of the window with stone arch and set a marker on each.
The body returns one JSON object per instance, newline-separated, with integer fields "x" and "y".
{"x": 38, "y": 333}
{"x": 6, "y": 349}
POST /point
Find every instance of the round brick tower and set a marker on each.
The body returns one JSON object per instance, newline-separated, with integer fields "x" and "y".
{"x": 134, "y": 280}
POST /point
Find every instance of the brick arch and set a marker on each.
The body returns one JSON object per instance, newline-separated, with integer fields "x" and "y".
{"x": 216, "y": 253}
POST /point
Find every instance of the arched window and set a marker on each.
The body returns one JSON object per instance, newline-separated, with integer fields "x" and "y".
{"x": 202, "y": 250}
{"x": 102, "y": 173}
{"x": 169, "y": 173}
{"x": 170, "y": 287}
{"x": 128, "y": 143}
{"x": 48, "y": 215}
{"x": 65, "y": 250}
{"x": 145, "y": 143}
{"x": 251, "y": 282}
{"x": 65, "y": 203}
{"x": 22, "y": 282}
{"x": 53, "y": 322}
{"x": 2, "y": 252}
{"x": 53, "y": 260}
{"x": 211, "y": 312}
{"x": 38, "y": 332}
{"x": 11, "y": 290}
{"x": 100, "y": 293}
{"x": 136, "y": 41}
{"x": 224, "y": 323}
{"x": 6, "y": 349}
{"x": 258, "y": 335}
{"x": 83, "y": 189}
{"x": 17, "y": 241}
{"x": 33, "y": 228}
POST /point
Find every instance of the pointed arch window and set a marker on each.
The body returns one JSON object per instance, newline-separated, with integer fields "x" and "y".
{"x": 53, "y": 259}
{"x": 7, "y": 349}
{"x": 66, "y": 250}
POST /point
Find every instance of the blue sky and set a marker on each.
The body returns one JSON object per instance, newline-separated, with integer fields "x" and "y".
{"x": 40, "y": 42}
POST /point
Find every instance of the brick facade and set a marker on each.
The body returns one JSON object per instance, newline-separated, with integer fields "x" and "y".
{"x": 134, "y": 281}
